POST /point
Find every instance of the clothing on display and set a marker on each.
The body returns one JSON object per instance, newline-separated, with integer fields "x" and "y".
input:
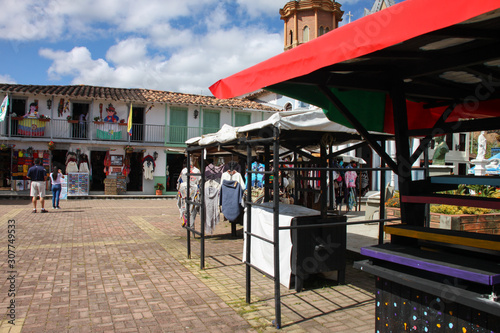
{"x": 182, "y": 206}
{"x": 231, "y": 199}
{"x": 193, "y": 195}
{"x": 350, "y": 178}
{"x": 71, "y": 167}
{"x": 214, "y": 172}
{"x": 233, "y": 176}
{"x": 83, "y": 163}
{"x": 148, "y": 169}
{"x": 258, "y": 179}
{"x": 193, "y": 179}
{"x": 212, "y": 200}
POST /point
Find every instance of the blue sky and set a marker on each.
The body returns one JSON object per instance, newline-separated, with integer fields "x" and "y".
{"x": 172, "y": 45}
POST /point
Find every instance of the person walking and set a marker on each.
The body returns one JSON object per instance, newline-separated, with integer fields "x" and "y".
{"x": 38, "y": 176}
{"x": 56, "y": 177}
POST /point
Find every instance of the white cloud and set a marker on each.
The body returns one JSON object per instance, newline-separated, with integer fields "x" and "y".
{"x": 54, "y": 19}
{"x": 159, "y": 44}
{"x": 6, "y": 79}
{"x": 127, "y": 52}
{"x": 164, "y": 36}
{"x": 255, "y": 8}
{"x": 191, "y": 69}
{"x": 74, "y": 63}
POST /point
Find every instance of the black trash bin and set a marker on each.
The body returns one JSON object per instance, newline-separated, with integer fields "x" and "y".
{"x": 318, "y": 249}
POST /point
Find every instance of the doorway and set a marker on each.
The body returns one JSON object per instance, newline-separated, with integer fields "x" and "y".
{"x": 98, "y": 176}
{"x": 5, "y": 168}
{"x": 174, "y": 167}
{"x": 136, "y": 172}
{"x": 81, "y": 114}
{"x": 137, "y": 124}
{"x": 59, "y": 159}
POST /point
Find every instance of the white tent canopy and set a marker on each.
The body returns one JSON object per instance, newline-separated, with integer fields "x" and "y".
{"x": 314, "y": 121}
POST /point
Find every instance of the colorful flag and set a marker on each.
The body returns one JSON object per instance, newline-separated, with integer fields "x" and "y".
{"x": 129, "y": 123}
{"x": 3, "y": 109}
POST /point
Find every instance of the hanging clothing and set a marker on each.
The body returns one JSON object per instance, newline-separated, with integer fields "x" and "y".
{"x": 213, "y": 172}
{"x": 258, "y": 178}
{"x": 71, "y": 167}
{"x": 193, "y": 179}
{"x": 232, "y": 166}
{"x": 150, "y": 159}
{"x": 365, "y": 183}
{"x": 233, "y": 176}
{"x": 231, "y": 198}
{"x": 212, "y": 200}
{"x": 182, "y": 205}
{"x": 148, "y": 169}
{"x": 84, "y": 167}
{"x": 350, "y": 177}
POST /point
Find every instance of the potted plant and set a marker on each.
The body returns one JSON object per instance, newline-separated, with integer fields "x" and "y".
{"x": 51, "y": 145}
{"x": 44, "y": 117}
{"x": 159, "y": 187}
{"x": 71, "y": 120}
{"x": 128, "y": 149}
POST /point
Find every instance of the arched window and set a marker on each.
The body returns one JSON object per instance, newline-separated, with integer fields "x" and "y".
{"x": 327, "y": 29}
{"x": 288, "y": 107}
{"x": 291, "y": 37}
{"x": 321, "y": 31}
{"x": 305, "y": 34}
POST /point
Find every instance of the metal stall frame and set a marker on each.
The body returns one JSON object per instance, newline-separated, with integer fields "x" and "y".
{"x": 271, "y": 147}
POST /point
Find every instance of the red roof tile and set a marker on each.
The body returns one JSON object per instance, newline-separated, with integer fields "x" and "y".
{"x": 132, "y": 95}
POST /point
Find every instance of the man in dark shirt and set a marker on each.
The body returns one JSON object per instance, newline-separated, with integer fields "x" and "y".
{"x": 38, "y": 176}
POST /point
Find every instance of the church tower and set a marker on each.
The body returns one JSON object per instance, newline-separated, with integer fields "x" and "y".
{"x": 308, "y": 19}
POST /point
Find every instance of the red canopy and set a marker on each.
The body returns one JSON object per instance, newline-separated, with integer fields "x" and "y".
{"x": 443, "y": 51}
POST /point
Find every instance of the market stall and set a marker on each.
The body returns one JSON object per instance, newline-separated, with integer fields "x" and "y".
{"x": 285, "y": 242}
{"x": 419, "y": 68}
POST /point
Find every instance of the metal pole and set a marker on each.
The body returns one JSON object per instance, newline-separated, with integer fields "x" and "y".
{"x": 267, "y": 157}
{"x": 202, "y": 211}
{"x": 248, "y": 225}
{"x": 323, "y": 186}
{"x": 426, "y": 175}
{"x": 188, "y": 198}
{"x": 276, "y": 238}
{"x": 382, "y": 200}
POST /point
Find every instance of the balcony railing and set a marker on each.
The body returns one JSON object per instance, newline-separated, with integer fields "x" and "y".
{"x": 98, "y": 131}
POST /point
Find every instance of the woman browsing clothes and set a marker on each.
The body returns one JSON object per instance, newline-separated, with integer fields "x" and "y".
{"x": 56, "y": 177}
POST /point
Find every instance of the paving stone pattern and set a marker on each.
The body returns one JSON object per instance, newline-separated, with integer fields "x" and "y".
{"x": 122, "y": 266}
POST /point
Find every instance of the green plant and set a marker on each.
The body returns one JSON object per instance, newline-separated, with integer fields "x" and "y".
{"x": 159, "y": 186}
{"x": 97, "y": 119}
{"x": 68, "y": 118}
{"x": 483, "y": 190}
{"x": 459, "y": 210}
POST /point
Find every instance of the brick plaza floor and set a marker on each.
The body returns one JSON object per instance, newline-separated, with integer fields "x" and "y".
{"x": 121, "y": 266}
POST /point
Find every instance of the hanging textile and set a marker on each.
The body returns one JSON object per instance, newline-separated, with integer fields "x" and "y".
{"x": 107, "y": 163}
{"x": 83, "y": 163}
{"x": 148, "y": 169}
{"x": 193, "y": 195}
{"x": 71, "y": 162}
{"x": 258, "y": 179}
{"x": 231, "y": 198}
{"x": 182, "y": 205}
{"x": 213, "y": 172}
{"x": 233, "y": 176}
{"x": 365, "y": 183}
{"x": 212, "y": 200}
{"x": 352, "y": 198}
